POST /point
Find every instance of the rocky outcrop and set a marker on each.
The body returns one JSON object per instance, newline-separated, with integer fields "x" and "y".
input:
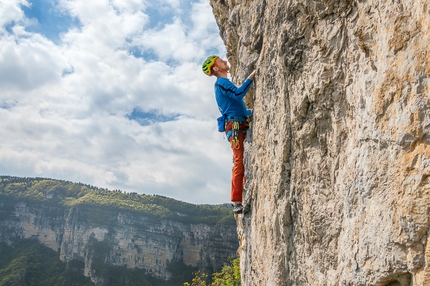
{"x": 117, "y": 238}
{"x": 338, "y": 168}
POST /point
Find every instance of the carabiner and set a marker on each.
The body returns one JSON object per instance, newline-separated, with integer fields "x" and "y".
{"x": 236, "y": 125}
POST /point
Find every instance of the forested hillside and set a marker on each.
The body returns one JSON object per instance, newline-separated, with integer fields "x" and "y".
{"x": 77, "y": 194}
{"x": 65, "y": 233}
{"x": 28, "y": 262}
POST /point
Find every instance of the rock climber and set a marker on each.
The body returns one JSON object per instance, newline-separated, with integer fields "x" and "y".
{"x": 230, "y": 102}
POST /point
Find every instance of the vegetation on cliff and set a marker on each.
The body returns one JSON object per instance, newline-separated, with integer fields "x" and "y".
{"x": 228, "y": 276}
{"x": 30, "y": 263}
{"x": 46, "y": 209}
{"x": 27, "y": 262}
{"x": 70, "y": 194}
{"x": 121, "y": 275}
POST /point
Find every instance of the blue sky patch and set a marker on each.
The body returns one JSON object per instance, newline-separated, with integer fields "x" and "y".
{"x": 9, "y": 27}
{"x": 7, "y": 104}
{"x": 160, "y": 15}
{"x": 51, "y": 21}
{"x": 68, "y": 71}
{"x": 146, "y": 118}
{"x": 148, "y": 54}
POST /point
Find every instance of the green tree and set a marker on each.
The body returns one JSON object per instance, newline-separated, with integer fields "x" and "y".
{"x": 228, "y": 276}
{"x": 198, "y": 280}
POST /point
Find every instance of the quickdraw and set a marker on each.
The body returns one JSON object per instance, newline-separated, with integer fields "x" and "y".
{"x": 235, "y": 134}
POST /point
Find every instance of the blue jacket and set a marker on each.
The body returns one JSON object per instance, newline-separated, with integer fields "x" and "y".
{"x": 230, "y": 98}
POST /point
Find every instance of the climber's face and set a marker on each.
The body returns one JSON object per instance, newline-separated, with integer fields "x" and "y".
{"x": 222, "y": 65}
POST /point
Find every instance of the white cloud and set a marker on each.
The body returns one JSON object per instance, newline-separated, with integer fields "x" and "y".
{"x": 10, "y": 11}
{"x": 29, "y": 61}
{"x": 171, "y": 42}
{"x": 204, "y": 28}
{"x": 129, "y": 6}
{"x": 104, "y": 26}
{"x": 184, "y": 43}
{"x": 64, "y": 106}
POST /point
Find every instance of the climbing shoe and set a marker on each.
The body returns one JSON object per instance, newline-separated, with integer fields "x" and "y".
{"x": 238, "y": 209}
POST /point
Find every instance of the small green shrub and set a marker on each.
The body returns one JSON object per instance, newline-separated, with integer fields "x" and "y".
{"x": 228, "y": 276}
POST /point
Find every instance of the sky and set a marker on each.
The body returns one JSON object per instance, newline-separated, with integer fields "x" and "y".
{"x": 111, "y": 93}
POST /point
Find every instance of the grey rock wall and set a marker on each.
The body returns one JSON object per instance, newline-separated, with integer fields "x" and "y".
{"x": 338, "y": 168}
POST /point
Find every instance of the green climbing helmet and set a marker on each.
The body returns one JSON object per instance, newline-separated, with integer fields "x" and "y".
{"x": 208, "y": 63}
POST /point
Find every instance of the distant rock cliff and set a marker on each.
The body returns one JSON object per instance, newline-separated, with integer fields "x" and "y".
{"x": 339, "y": 164}
{"x": 116, "y": 237}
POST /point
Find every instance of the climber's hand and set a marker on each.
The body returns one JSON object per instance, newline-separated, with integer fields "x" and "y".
{"x": 251, "y": 76}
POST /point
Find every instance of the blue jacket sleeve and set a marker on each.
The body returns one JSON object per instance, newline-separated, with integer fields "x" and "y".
{"x": 230, "y": 90}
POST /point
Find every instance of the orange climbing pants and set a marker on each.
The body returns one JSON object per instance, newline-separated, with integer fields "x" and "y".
{"x": 238, "y": 172}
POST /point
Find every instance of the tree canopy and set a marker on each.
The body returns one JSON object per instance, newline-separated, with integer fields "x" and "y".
{"x": 68, "y": 194}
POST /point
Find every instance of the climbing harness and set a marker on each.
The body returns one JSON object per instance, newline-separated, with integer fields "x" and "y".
{"x": 237, "y": 125}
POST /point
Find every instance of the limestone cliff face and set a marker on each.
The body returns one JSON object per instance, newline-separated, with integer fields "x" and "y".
{"x": 117, "y": 238}
{"x": 338, "y": 165}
